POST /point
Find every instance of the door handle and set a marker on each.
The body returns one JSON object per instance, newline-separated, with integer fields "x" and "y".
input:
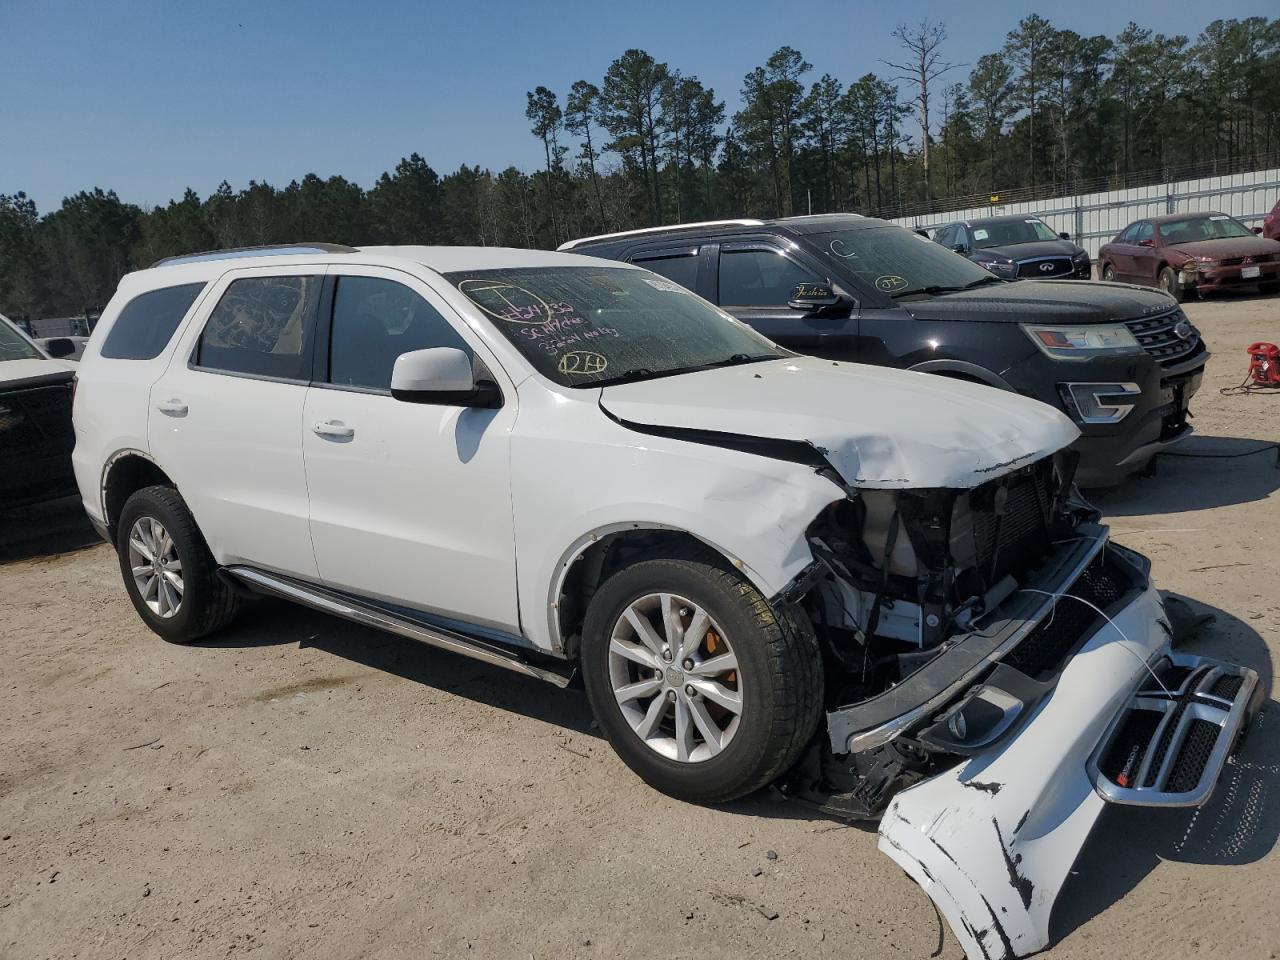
{"x": 333, "y": 430}
{"x": 173, "y": 408}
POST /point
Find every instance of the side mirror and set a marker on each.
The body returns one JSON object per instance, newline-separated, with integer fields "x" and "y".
{"x": 443, "y": 376}
{"x": 817, "y": 296}
{"x": 60, "y": 347}
{"x": 1064, "y": 236}
{"x": 1257, "y": 229}
{"x": 1147, "y": 242}
{"x": 959, "y": 248}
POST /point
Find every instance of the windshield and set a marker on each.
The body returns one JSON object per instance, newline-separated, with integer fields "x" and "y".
{"x": 14, "y": 346}
{"x": 587, "y": 326}
{"x": 898, "y": 262}
{"x": 999, "y": 233}
{"x": 1216, "y": 226}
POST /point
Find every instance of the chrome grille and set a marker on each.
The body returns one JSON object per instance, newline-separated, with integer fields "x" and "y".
{"x": 1237, "y": 261}
{"x": 1058, "y": 266}
{"x": 1158, "y": 337}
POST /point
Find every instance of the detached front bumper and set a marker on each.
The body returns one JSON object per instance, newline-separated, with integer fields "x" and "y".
{"x": 993, "y": 839}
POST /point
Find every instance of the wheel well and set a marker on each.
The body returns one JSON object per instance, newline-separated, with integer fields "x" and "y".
{"x": 128, "y": 475}
{"x": 610, "y": 553}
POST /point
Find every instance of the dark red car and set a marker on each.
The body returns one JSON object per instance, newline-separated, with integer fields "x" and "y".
{"x": 1186, "y": 252}
{"x": 1271, "y": 223}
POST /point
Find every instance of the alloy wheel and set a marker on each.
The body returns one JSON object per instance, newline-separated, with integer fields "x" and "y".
{"x": 675, "y": 678}
{"x": 157, "y": 571}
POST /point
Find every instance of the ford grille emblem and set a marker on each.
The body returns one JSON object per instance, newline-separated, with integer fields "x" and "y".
{"x": 1182, "y": 329}
{"x": 1046, "y": 267}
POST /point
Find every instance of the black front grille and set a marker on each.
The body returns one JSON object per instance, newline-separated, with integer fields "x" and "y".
{"x": 1193, "y": 756}
{"x": 1227, "y": 687}
{"x": 1123, "y": 758}
{"x": 1049, "y": 267}
{"x": 1159, "y": 336}
{"x": 1047, "y": 647}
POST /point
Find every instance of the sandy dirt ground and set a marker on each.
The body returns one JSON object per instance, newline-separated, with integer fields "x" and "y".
{"x": 300, "y": 787}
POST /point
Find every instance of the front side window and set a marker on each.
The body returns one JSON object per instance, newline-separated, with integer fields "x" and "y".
{"x": 1128, "y": 235}
{"x": 682, "y": 268}
{"x": 895, "y": 263}
{"x": 759, "y": 278}
{"x": 374, "y": 322}
{"x": 588, "y": 326}
{"x": 14, "y": 346}
{"x": 999, "y": 233}
{"x": 1216, "y": 226}
{"x": 262, "y": 327}
{"x": 146, "y": 324}
{"x": 1143, "y": 232}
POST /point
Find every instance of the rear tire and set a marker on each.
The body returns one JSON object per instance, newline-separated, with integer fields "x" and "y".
{"x": 1168, "y": 282}
{"x": 169, "y": 573}
{"x": 761, "y": 711}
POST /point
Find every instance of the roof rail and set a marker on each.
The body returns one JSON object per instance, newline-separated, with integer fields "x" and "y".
{"x": 674, "y": 226}
{"x": 268, "y": 250}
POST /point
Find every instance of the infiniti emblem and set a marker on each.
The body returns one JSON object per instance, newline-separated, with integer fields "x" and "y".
{"x": 1182, "y": 329}
{"x": 1046, "y": 267}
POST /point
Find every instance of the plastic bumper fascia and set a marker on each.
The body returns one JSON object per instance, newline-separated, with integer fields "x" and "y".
{"x": 993, "y": 839}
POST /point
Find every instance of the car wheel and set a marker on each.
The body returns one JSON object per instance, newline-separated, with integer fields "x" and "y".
{"x": 1109, "y": 272}
{"x": 1168, "y": 282}
{"x": 703, "y": 689}
{"x": 169, "y": 574}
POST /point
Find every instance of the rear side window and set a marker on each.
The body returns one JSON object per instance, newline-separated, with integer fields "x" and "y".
{"x": 374, "y": 322}
{"x": 147, "y": 322}
{"x": 262, "y": 327}
{"x": 759, "y": 278}
{"x": 681, "y": 269}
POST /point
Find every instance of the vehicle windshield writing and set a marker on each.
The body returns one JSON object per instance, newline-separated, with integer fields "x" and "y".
{"x": 583, "y": 326}
{"x": 1190, "y": 230}
{"x": 999, "y": 233}
{"x": 14, "y": 346}
{"x": 897, "y": 262}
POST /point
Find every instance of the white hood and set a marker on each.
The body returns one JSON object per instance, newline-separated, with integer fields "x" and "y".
{"x": 12, "y": 371}
{"x": 878, "y": 427}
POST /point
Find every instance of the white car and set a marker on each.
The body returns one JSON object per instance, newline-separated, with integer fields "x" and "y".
{"x": 874, "y": 588}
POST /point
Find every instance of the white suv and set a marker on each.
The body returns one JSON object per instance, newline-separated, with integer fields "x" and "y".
{"x": 554, "y": 463}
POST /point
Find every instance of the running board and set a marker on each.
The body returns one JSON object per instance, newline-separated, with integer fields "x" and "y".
{"x": 340, "y": 605}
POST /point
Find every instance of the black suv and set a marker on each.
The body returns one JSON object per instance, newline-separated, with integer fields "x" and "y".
{"x": 1017, "y": 246}
{"x": 1122, "y": 361}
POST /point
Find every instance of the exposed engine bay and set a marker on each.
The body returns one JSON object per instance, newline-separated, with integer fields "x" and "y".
{"x": 912, "y": 597}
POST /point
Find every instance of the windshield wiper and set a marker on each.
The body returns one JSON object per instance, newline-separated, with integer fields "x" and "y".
{"x": 627, "y": 376}
{"x": 644, "y": 373}
{"x": 981, "y": 280}
{"x": 932, "y": 289}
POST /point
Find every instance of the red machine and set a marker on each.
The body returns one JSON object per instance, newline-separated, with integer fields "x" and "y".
{"x": 1264, "y": 365}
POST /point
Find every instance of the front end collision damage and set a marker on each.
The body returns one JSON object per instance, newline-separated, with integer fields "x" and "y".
{"x": 992, "y": 840}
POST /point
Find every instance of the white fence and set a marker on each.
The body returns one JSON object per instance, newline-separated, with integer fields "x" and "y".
{"x": 1094, "y": 218}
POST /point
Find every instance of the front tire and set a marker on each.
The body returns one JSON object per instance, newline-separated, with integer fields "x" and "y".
{"x": 1109, "y": 273}
{"x": 1168, "y": 282}
{"x": 168, "y": 572}
{"x": 702, "y": 688}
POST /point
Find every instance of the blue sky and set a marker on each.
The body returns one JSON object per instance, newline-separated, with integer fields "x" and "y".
{"x": 147, "y": 98}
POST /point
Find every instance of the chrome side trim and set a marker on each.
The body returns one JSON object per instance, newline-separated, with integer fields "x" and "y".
{"x": 327, "y": 601}
{"x": 869, "y": 739}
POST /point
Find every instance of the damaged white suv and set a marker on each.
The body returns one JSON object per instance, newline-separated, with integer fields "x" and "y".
{"x": 874, "y": 588}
